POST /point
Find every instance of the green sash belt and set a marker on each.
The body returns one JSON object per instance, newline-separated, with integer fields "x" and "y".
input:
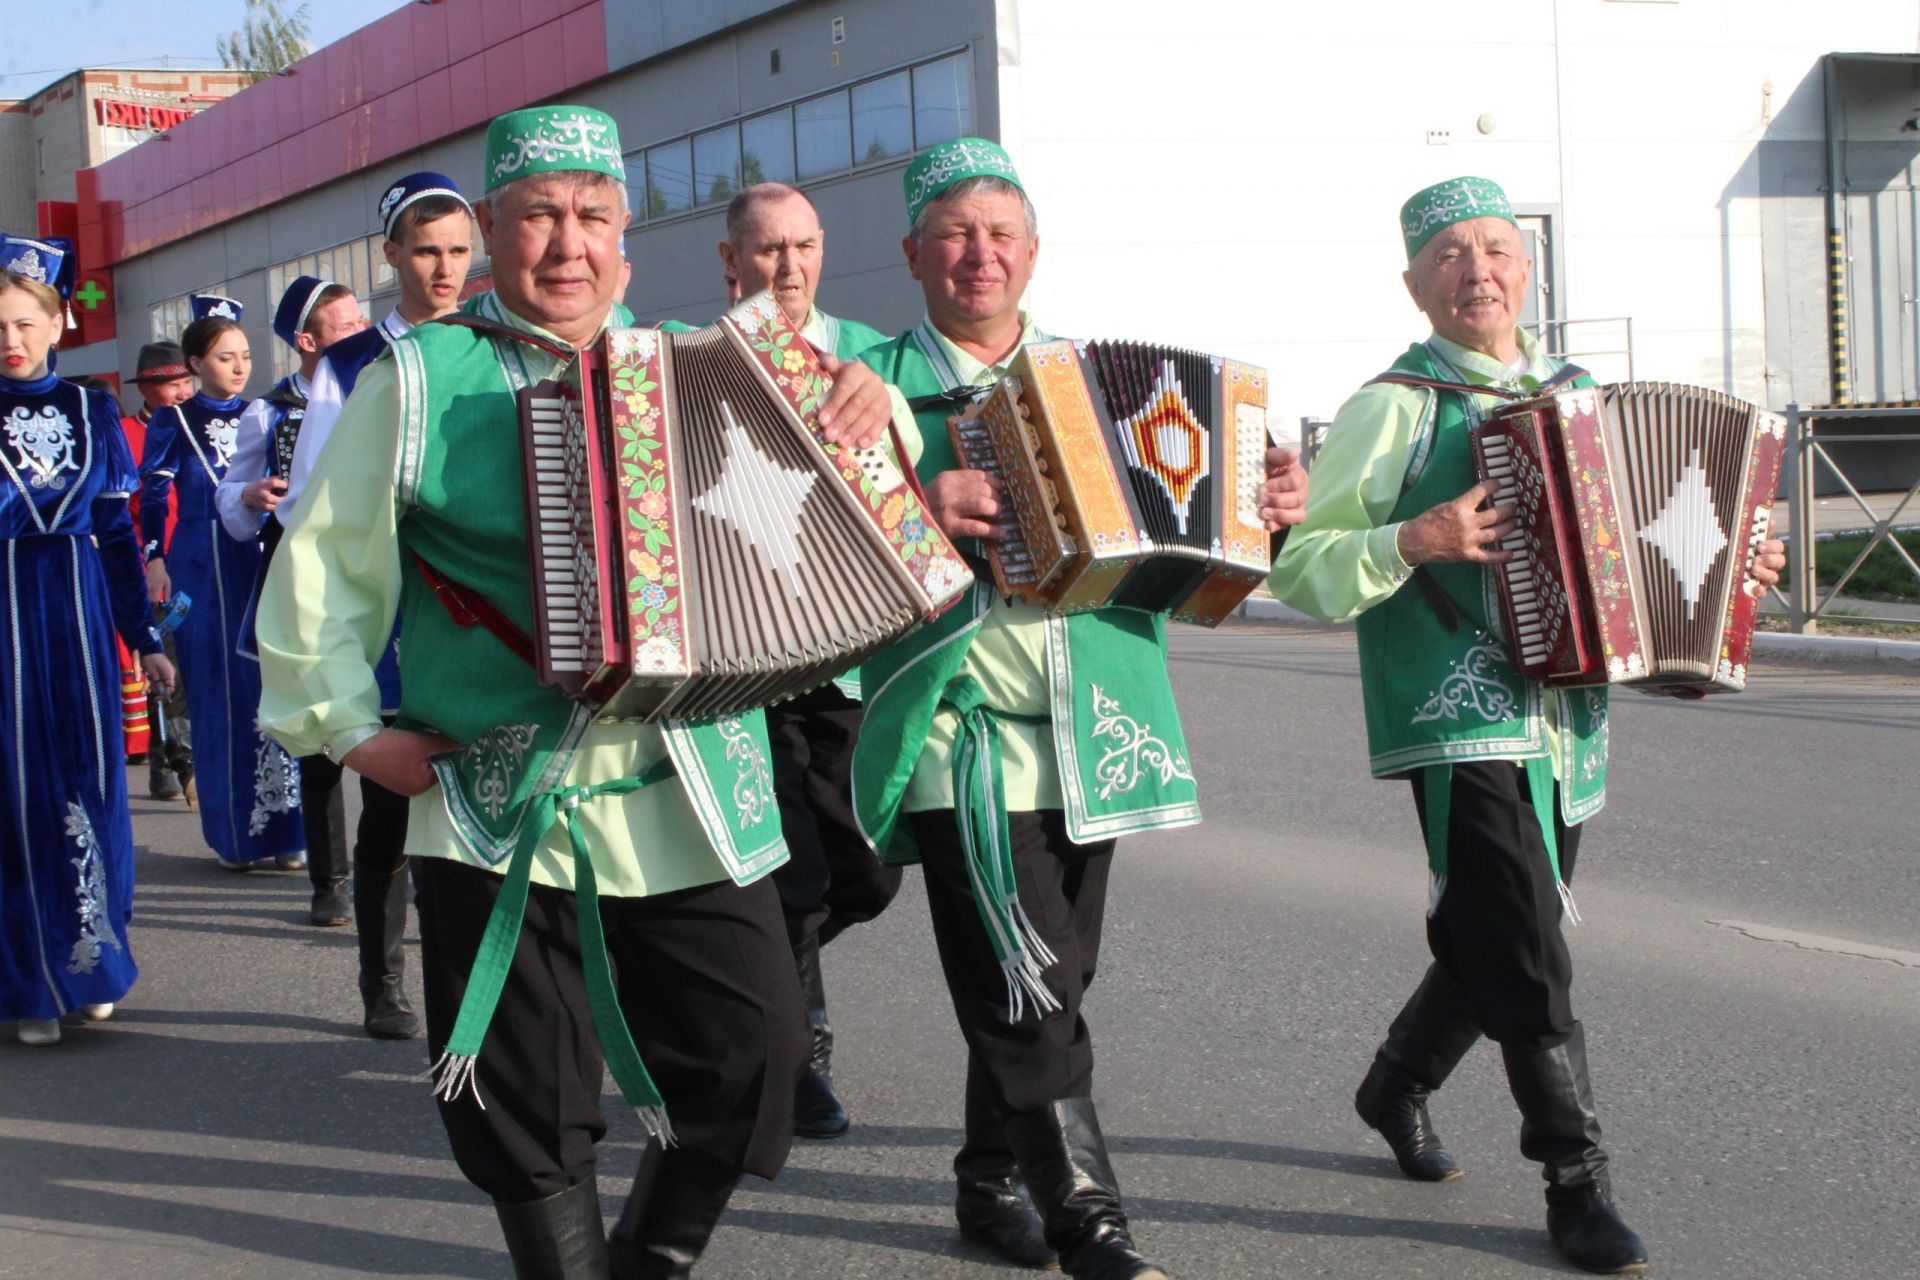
{"x": 453, "y": 1072}
{"x": 1436, "y": 781}
{"x": 979, "y": 802}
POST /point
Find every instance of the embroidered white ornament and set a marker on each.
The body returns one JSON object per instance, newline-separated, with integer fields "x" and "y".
{"x": 42, "y": 444}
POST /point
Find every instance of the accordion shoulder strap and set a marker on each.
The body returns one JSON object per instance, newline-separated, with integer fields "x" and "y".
{"x": 470, "y": 609}
{"x": 495, "y": 330}
{"x": 1398, "y": 377}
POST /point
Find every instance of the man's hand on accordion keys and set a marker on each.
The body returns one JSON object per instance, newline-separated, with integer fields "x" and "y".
{"x": 264, "y": 494}
{"x": 1469, "y": 528}
{"x": 967, "y": 504}
{"x": 400, "y": 760}
{"x": 858, "y": 408}
{"x": 1283, "y": 495}
{"x": 1770, "y": 563}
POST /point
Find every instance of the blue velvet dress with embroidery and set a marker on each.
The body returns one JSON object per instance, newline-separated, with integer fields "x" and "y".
{"x": 66, "y": 843}
{"x": 249, "y": 787}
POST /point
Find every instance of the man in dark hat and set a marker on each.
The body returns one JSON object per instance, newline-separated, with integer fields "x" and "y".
{"x": 162, "y": 378}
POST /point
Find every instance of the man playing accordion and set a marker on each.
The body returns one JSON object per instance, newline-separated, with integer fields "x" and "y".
{"x": 1504, "y": 770}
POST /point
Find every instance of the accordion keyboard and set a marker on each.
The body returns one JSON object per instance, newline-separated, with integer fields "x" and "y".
{"x": 1011, "y": 551}
{"x": 1539, "y": 611}
{"x": 556, "y": 484}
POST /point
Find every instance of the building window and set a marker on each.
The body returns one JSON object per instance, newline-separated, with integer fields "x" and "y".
{"x": 822, "y": 140}
{"x": 669, "y": 179}
{"x": 766, "y": 148}
{"x": 879, "y": 120}
{"x": 882, "y": 119}
{"x": 942, "y": 102}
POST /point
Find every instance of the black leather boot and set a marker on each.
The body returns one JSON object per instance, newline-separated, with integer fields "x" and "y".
{"x": 1423, "y": 1046}
{"x": 1559, "y": 1129}
{"x": 558, "y": 1238}
{"x": 1064, "y": 1158}
{"x": 323, "y": 819}
{"x": 817, "y": 1111}
{"x": 380, "y": 917}
{"x": 669, "y": 1216}
{"x": 991, "y": 1204}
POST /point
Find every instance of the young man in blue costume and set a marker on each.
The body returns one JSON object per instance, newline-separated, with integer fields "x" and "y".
{"x": 579, "y": 850}
{"x": 1504, "y": 770}
{"x": 981, "y": 749}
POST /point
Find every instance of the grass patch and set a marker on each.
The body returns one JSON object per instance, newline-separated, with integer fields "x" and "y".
{"x": 1884, "y": 576}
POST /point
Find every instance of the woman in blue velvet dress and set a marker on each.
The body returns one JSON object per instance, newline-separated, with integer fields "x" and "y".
{"x": 249, "y": 787}
{"x": 66, "y": 843}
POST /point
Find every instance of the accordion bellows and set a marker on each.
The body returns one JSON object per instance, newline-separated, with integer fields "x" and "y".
{"x": 1132, "y": 474}
{"x": 697, "y": 549}
{"x": 1641, "y": 509}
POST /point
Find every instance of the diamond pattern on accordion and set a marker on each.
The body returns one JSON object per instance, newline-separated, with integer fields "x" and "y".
{"x": 1168, "y": 442}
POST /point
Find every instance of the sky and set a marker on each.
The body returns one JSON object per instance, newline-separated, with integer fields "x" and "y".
{"x": 101, "y": 33}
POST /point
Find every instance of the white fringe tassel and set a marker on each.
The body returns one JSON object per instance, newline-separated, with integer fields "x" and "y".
{"x": 1566, "y": 900}
{"x": 657, "y": 1124}
{"x": 452, "y": 1075}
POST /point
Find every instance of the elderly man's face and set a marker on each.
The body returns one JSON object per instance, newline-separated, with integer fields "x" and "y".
{"x": 973, "y": 257}
{"x": 781, "y": 250}
{"x": 1471, "y": 280}
{"x": 555, "y": 246}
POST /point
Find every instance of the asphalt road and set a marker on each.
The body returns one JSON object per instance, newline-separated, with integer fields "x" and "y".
{"x": 1749, "y": 974}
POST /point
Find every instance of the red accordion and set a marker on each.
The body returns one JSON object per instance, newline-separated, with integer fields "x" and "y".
{"x": 1641, "y": 509}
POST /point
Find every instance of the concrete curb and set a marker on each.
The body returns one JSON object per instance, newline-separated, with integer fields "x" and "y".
{"x": 1770, "y": 644}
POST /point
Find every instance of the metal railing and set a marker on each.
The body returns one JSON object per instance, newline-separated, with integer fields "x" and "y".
{"x": 1313, "y": 434}
{"x": 1553, "y": 336}
{"x": 1805, "y": 451}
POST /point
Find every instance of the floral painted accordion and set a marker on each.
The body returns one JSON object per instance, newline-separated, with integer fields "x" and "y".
{"x": 1132, "y": 474}
{"x": 1641, "y": 509}
{"x": 697, "y": 549}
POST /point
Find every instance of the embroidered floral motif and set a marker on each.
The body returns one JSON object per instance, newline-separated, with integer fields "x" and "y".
{"x": 1593, "y": 761}
{"x": 1475, "y": 686}
{"x": 223, "y": 434}
{"x": 753, "y": 788}
{"x": 43, "y": 445}
{"x": 276, "y": 784}
{"x": 90, "y": 894}
{"x": 1134, "y": 750}
{"x": 495, "y": 759}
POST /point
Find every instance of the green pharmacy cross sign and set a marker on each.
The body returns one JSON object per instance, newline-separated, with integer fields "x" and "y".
{"x": 90, "y": 295}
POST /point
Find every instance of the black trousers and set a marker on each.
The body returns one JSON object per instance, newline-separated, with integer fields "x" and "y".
{"x": 380, "y": 841}
{"x": 707, "y": 985}
{"x": 833, "y": 878}
{"x": 1021, "y": 1066}
{"x": 1496, "y": 930}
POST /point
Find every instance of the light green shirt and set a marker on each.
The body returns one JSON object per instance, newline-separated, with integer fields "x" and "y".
{"x": 1345, "y": 557}
{"x": 318, "y": 645}
{"x": 1007, "y": 656}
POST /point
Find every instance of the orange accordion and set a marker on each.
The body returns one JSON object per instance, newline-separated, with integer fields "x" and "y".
{"x": 697, "y": 549}
{"x": 1641, "y": 509}
{"x": 1132, "y": 474}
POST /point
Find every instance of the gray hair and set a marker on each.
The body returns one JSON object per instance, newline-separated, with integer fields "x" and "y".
{"x": 741, "y": 208}
{"x": 573, "y": 177}
{"x": 970, "y": 186}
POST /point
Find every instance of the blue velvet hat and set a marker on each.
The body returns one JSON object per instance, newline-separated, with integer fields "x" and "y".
{"x": 214, "y": 304}
{"x": 47, "y": 262}
{"x": 415, "y": 186}
{"x": 296, "y": 304}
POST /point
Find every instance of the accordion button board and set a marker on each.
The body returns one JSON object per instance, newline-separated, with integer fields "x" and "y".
{"x": 1132, "y": 475}
{"x": 697, "y": 548}
{"x": 1641, "y": 508}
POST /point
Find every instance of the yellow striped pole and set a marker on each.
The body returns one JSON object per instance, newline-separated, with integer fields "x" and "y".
{"x": 1837, "y": 280}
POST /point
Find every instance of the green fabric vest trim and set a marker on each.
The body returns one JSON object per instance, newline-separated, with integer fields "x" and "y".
{"x": 1122, "y": 756}
{"x": 1434, "y": 697}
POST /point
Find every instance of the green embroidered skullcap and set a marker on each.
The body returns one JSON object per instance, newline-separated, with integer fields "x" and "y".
{"x": 1444, "y": 203}
{"x": 552, "y": 140}
{"x": 939, "y": 167}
